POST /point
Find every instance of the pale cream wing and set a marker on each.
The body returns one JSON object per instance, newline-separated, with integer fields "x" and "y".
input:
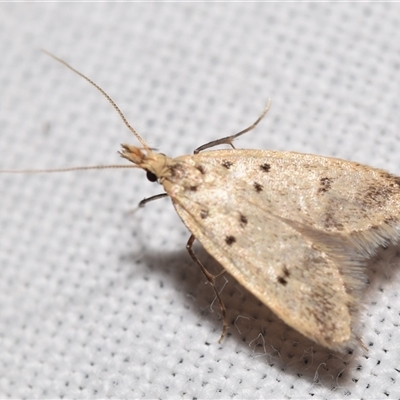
{"x": 283, "y": 267}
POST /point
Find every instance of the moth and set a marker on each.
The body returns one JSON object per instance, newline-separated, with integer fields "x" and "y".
{"x": 294, "y": 229}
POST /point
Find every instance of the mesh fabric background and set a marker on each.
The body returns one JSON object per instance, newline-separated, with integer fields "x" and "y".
{"x": 96, "y": 302}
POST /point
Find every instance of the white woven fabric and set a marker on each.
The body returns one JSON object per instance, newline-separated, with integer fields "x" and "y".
{"x": 98, "y": 303}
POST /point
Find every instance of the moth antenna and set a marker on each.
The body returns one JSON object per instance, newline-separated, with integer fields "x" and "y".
{"x": 68, "y": 169}
{"x": 102, "y": 91}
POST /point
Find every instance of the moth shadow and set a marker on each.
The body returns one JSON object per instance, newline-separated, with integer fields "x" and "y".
{"x": 254, "y": 325}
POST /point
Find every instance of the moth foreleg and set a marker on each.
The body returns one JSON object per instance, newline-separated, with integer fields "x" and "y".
{"x": 211, "y": 279}
{"x": 152, "y": 198}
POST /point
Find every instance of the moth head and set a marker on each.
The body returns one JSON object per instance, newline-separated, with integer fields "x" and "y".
{"x": 144, "y": 158}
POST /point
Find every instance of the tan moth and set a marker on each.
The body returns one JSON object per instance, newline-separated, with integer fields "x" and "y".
{"x": 294, "y": 229}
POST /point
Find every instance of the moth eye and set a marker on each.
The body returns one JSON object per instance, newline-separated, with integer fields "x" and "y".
{"x": 151, "y": 177}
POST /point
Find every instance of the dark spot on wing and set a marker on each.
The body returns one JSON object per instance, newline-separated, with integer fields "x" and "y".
{"x": 286, "y": 272}
{"x": 243, "y": 220}
{"x": 282, "y": 280}
{"x": 324, "y": 184}
{"x": 227, "y": 164}
{"x": 265, "y": 167}
{"x": 258, "y": 187}
{"x": 203, "y": 214}
{"x": 201, "y": 169}
{"x": 229, "y": 240}
{"x": 380, "y": 194}
{"x": 193, "y": 188}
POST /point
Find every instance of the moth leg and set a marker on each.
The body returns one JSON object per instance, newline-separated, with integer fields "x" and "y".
{"x": 220, "y": 274}
{"x": 363, "y": 345}
{"x": 230, "y": 139}
{"x": 149, "y": 199}
{"x": 211, "y": 280}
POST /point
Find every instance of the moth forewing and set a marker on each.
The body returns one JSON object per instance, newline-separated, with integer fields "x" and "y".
{"x": 283, "y": 225}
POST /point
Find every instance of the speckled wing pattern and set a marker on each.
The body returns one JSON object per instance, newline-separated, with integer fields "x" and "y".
{"x": 294, "y": 229}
